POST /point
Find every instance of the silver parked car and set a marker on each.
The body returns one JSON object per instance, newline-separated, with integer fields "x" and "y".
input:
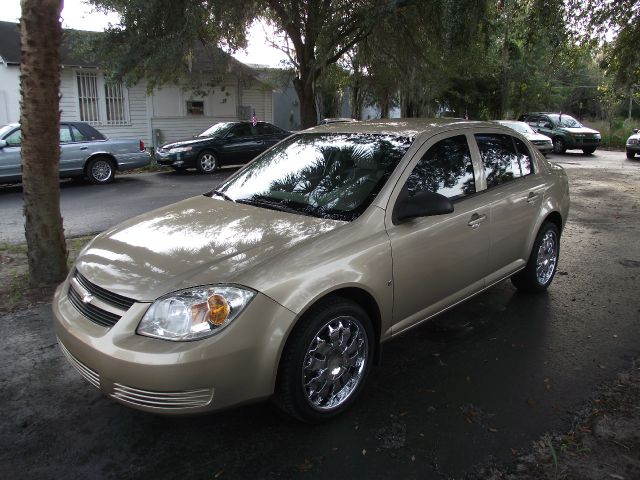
{"x": 541, "y": 142}
{"x": 84, "y": 152}
{"x": 286, "y": 279}
{"x": 633, "y": 143}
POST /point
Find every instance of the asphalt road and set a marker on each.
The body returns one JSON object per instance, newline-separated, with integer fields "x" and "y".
{"x": 483, "y": 380}
{"x": 88, "y": 209}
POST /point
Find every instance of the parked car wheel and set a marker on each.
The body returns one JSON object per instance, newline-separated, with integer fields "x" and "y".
{"x": 326, "y": 361}
{"x": 100, "y": 170}
{"x": 543, "y": 261}
{"x": 207, "y": 162}
{"x": 558, "y": 145}
{"x": 588, "y": 151}
{"x": 630, "y": 154}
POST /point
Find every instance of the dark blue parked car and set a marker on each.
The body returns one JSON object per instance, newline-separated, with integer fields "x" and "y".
{"x": 227, "y": 143}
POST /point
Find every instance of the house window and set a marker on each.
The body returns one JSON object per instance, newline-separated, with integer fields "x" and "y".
{"x": 88, "y": 96}
{"x": 101, "y": 102}
{"x": 195, "y": 107}
{"x": 115, "y": 103}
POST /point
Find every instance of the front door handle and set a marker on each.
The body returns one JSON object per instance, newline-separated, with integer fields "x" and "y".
{"x": 532, "y": 197}
{"x": 84, "y": 148}
{"x": 476, "y": 220}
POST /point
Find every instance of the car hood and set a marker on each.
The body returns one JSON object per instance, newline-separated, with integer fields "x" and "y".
{"x": 537, "y": 137}
{"x": 187, "y": 141}
{"x": 581, "y": 130}
{"x": 635, "y": 136}
{"x": 198, "y": 241}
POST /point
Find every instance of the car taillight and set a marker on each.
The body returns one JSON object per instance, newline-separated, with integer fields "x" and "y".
{"x": 141, "y": 146}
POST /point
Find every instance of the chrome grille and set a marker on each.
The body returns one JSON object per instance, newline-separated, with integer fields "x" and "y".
{"x": 89, "y": 375}
{"x": 114, "y": 299}
{"x": 162, "y": 400}
{"x": 93, "y": 313}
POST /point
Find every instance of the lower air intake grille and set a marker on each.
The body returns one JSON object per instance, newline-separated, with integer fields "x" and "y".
{"x": 89, "y": 375}
{"x": 162, "y": 400}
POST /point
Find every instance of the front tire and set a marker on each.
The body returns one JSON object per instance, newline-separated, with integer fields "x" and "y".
{"x": 207, "y": 162}
{"x": 100, "y": 170}
{"x": 326, "y": 361}
{"x": 559, "y": 145}
{"x": 543, "y": 261}
{"x": 630, "y": 154}
{"x": 588, "y": 151}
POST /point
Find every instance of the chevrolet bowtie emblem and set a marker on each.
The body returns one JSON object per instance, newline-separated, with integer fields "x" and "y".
{"x": 87, "y": 298}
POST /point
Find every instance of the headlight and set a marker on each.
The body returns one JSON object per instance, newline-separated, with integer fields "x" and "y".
{"x": 194, "y": 313}
{"x": 597, "y": 136}
{"x": 180, "y": 149}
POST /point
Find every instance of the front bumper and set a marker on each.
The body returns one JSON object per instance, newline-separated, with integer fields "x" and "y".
{"x": 236, "y": 366}
{"x": 181, "y": 159}
{"x": 633, "y": 147}
{"x": 583, "y": 142}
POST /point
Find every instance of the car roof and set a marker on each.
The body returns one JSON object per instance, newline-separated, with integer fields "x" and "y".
{"x": 410, "y": 127}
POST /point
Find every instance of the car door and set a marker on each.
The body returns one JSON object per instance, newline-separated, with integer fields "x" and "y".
{"x": 71, "y": 155}
{"x": 10, "y": 159}
{"x": 515, "y": 192}
{"x": 241, "y": 144}
{"x": 269, "y": 135}
{"x": 439, "y": 260}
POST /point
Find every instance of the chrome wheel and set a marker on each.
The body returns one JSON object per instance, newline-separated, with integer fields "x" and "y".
{"x": 100, "y": 170}
{"x": 547, "y": 257}
{"x": 335, "y": 363}
{"x": 207, "y": 162}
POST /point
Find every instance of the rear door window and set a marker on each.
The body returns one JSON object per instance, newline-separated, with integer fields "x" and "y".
{"x": 14, "y": 139}
{"x": 502, "y": 162}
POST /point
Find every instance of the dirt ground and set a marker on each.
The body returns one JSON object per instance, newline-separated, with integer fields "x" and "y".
{"x": 604, "y": 439}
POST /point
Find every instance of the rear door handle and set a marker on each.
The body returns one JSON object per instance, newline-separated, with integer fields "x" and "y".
{"x": 84, "y": 148}
{"x": 476, "y": 220}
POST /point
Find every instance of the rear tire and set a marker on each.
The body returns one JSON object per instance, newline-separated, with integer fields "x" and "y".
{"x": 100, "y": 170}
{"x": 326, "y": 361}
{"x": 543, "y": 261}
{"x": 559, "y": 145}
{"x": 588, "y": 151}
{"x": 207, "y": 162}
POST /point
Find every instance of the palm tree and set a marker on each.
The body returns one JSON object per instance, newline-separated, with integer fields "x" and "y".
{"x": 40, "y": 38}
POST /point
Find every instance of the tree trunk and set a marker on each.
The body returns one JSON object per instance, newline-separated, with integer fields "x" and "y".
{"x": 304, "y": 88}
{"x": 40, "y": 38}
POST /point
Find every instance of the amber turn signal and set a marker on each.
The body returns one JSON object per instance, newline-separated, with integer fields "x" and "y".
{"x": 218, "y": 310}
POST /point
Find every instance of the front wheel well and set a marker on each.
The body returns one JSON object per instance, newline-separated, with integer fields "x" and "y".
{"x": 556, "y": 219}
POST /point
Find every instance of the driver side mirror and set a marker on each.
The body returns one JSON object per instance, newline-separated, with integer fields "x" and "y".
{"x": 547, "y": 125}
{"x": 3, "y": 143}
{"x": 422, "y": 204}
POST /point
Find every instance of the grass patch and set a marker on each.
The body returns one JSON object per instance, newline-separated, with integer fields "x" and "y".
{"x": 14, "y": 273}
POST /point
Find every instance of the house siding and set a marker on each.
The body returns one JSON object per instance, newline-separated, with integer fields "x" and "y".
{"x": 9, "y": 94}
{"x": 170, "y": 120}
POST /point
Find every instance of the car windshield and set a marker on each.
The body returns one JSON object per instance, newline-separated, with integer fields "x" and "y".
{"x": 324, "y": 175}
{"x": 566, "y": 121}
{"x": 519, "y": 127}
{"x": 5, "y": 129}
{"x": 217, "y": 129}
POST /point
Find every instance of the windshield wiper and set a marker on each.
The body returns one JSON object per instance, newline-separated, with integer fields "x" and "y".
{"x": 222, "y": 194}
{"x": 272, "y": 205}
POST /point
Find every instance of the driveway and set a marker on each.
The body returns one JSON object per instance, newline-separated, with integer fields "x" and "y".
{"x": 484, "y": 379}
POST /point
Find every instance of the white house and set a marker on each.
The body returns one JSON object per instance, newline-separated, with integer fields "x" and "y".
{"x": 120, "y": 111}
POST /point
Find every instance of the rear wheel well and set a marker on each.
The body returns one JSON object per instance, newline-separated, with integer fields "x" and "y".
{"x": 111, "y": 159}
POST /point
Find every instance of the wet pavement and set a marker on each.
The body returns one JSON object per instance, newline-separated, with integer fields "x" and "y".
{"x": 485, "y": 379}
